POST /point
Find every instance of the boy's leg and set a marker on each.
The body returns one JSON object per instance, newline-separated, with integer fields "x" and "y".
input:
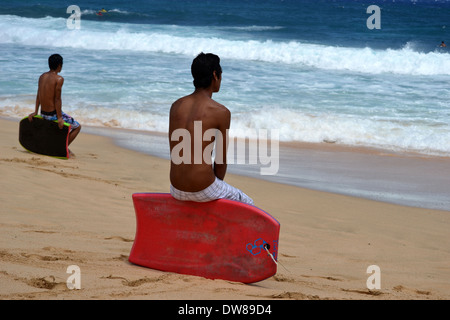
{"x": 73, "y": 134}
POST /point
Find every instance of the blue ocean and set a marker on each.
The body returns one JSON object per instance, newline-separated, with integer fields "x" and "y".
{"x": 311, "y": 69}
{"x": 318, "y": 71}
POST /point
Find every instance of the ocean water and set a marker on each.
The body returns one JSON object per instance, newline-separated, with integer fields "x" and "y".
{"x": 312, "y": 69}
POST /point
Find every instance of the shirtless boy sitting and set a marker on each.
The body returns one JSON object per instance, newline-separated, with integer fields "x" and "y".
{"x": 199, "y": 180}
{"x": 49, "y": 97}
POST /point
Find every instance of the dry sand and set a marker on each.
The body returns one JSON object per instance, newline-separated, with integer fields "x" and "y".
{"x": 57, "y": 213}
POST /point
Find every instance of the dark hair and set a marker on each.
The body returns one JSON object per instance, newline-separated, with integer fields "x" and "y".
{"x": 202, "y": 69}
{"x": 54, "y": 61}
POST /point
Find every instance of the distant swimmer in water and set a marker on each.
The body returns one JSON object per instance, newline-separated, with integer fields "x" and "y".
{"x": 100, "y": 13}
{"x": 443, "y": 45}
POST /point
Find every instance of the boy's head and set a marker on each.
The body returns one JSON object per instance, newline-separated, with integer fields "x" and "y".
{"x": 203, "y": 68}
{"x": 54, "y": 61}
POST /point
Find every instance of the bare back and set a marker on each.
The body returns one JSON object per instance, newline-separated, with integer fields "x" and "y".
{"x": 49, "y": 91}
{"x": 184, "y": 113}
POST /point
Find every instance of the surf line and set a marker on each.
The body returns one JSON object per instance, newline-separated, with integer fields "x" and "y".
{"x": 257, "y": 150}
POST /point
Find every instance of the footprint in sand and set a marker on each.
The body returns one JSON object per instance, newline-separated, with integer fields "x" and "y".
{"x": 119, "y": 238}
{"x": 135, "y": 283}
{"x": 45, "y": 283}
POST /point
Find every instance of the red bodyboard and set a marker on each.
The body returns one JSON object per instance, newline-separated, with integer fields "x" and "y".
{"x": 220, "y": 239}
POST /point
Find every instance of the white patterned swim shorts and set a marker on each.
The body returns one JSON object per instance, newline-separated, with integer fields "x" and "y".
{"x": 217, "y": 190}
{"x": 52, "y": 116}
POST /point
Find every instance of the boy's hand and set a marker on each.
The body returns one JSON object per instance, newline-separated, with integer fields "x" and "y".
{"x": 60, "y": 123}
{"x": 31, "y": 115}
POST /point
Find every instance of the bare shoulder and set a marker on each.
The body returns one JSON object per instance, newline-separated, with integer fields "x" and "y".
{"x": 176, "y": 105}
{"x": 42, "y": 77}
{"x": 220, "y": 108}
{"x": 222, "y": 114}
{"x": 59, "y": 79}
{"x": 179, "y": 101}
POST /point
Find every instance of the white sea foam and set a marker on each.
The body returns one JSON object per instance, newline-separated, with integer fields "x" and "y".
{"x": 350, "y": 130}
{"x": 406, "y": 112}
{"x": 291, "y": 126}
{"x": 52, "y": 32}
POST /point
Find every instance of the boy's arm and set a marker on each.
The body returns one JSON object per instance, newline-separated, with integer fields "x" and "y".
{"x": 36, "y": 108}
{"x": 58, "y": 101}
{"x": 220, "y": 161}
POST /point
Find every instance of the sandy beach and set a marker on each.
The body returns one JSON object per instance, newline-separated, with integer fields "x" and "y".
{"x": 57, "y": 213}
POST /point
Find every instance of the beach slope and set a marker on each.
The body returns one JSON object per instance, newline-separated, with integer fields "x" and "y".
{"x": 57, "y": 213}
